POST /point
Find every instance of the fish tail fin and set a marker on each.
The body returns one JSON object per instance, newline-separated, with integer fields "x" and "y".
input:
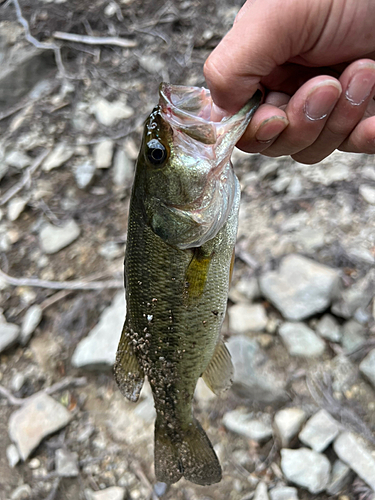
{"x": 191, "y": 456}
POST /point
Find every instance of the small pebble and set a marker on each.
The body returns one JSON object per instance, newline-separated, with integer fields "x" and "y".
{"x": 16, "y": 207}
{"x": 12, "y": 455}
{"x": 30, "y": 321}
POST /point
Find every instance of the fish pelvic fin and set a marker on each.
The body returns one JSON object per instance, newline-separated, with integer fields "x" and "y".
{"x": 219, "y": 372}
{"x": 191, "y": 455}
{"x": 128, "y": 374}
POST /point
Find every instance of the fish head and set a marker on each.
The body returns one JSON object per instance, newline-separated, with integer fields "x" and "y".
{"x": 188, "y": 181}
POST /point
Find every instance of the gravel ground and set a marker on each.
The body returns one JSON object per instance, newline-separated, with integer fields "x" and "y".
{"x": 299, "y": 420}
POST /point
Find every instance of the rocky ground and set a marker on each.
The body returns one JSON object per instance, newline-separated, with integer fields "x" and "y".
{"x": 299, "y": 421}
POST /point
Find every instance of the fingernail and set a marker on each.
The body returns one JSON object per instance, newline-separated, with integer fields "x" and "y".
{"x": 360, "y": 86}
{"x": 271, "y": 128}
{"x": 321, "y": 100}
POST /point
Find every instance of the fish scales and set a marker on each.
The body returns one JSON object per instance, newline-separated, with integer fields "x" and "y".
{"x": 181, "y": 234}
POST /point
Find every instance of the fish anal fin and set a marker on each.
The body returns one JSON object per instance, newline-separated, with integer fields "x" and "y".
{"x": 219, "y": 372}
{"x": 127, "y": 371}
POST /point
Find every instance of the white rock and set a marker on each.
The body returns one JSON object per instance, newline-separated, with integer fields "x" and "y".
{"x": 328, "y": 328}
{"x": 247, "y": 318}
{"x": 341, "y": 476}
{"x": 16, "y": 207}
{"x": 54, "y": 238}
{"x": 98, "y": 349}
{"x": 60, "y": 155}
{"x": 367, "y": 366}
{"x": 30, "y": 321}
{"x": 18, "y": 159}
{"x": 283, "y": 493}
{"x": 151, "y": 63}
{"x": 288, "y": 423}
{"x": 84, "y": 174}
{"x": 111, "y": 250}
{"x": 245, "y": 425}
{"x": 301, "y": 287}
{"x": 112, "y": 493}
{"x": 66, "y": 463}
{"x": 35, "y": 420}
{"x": 109, "y": 113}
{"x": 12, "y": 455}
{"x": 9, "y": 333}
{"x": 123, "y": 169}
{"x": 351, "y": 451}
{"x": 103, "y": 152}
{"x": 367, "y": 193}
{"x": 353, "y": 336}
{"x": 369, "y": 173}
{"x": 306, "y": 468}
{"x": 300, "y": 340}
{"x": 17, "y": 381}
{"x": 261, "y": 492}
{"x": 320, "y": 430}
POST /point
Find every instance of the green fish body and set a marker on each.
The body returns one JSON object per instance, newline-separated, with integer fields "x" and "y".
{"x": 181, "y": 234}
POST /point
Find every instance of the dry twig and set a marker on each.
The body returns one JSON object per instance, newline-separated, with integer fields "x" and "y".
{"x": 26, "y": 178}
{"x": 37, "y": 43}
{"x": 61, "y": 285}
{"x": 95, "y": 40}
{"x": 59, "y": 386}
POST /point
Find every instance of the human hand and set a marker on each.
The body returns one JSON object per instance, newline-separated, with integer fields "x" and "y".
{"x": 315, "y": 61}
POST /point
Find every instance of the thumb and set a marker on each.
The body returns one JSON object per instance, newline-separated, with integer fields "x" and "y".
{"x": 266, "y": 34}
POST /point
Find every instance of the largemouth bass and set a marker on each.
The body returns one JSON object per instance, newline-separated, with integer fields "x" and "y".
{"x": 181, "y": 235}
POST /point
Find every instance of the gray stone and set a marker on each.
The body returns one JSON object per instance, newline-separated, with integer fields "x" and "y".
{"x": 367, "y": 367}
{"x": 16, "y": 207}
{"x": 301, "y": 287}
{"x": 98, "y": 349}
{"x": 66, "y": 463}
{"x": 328, "y": 328}
{"x": 103, "y": 152}
{"x": 334, "y": 168}
{"x": 247, "y": 318}
{"x": 36, "y": 419}
{"x": 109, "y": 113}
{"x": 151, "y": 63}
{"x": 368, "y": 193}
{"x": 300, "y": 340}
{"x": 12, "y": 455}
{"x": 84, "y": 174}
{"x": 112, "y": 493}
{"x": 288, "y": 423}
{"x": 123, "y": 169}
{"x": 352, "y": 336}
{"x": 246, "y": 289}
{"x": 9, "y": 334}
{"x": 58, "y": 156}
{"x": 245, "y": 425}
{"x": 17, "y": 159}
{"x": 254, "y": 374}
{"x": 30, "y": 321}
{"x": 111, "y": 250}
{"x": 280, "y": 183}
{"x": 54, "y": 238}
{"x": 369, "y": 173}
{"x": 17, "y": 381}
{"x": 283, "y": 493}
{"x": 260, "y": 492}
{"x": 306, "y": 468}
{"x": 341, "y": 476}
{"x": 358, "y": 295}
{"x": 344, "y": 373}
{"x": 21, "y": 493}
{"x": 361, "y": 255}
{"x": 320, "y": 430}
{"x": 310, "y": 239}
{"x": 351, "y": 451}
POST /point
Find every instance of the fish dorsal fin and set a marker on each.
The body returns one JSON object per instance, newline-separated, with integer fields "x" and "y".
{"x": 128, "y": 374}
{"x": 219, "y": 372}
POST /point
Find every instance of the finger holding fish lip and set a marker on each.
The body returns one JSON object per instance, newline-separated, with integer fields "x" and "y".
{"x": 307, "y": 112}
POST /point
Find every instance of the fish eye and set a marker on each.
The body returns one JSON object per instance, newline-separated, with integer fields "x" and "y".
{"x": 156, "y": 152}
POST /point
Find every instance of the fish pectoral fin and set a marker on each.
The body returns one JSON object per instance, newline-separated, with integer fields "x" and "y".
{"x": 219, "y": 372}
{"x": 127, "y": 371}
